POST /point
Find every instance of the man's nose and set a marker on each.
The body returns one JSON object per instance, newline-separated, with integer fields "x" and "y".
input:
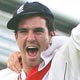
{"x": 31, "y": 36}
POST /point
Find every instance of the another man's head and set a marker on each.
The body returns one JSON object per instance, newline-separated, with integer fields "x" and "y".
{"x": 33, "y": 25}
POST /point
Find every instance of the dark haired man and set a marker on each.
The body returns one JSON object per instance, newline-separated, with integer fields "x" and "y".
{"x": 33, "y": 27}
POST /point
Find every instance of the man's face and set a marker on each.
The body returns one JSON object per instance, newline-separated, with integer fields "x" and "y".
{"x": 33, "y": 38}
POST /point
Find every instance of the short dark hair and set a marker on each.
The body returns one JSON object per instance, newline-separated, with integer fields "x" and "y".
{"x": 49, "y": 22}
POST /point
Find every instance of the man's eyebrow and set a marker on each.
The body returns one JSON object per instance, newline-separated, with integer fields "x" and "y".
{"x": 22, "y": 28}
{"x": 39, "y": 29}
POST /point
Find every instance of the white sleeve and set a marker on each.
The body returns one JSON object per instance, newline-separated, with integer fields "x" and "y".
{"x": 75, "y": 36}
{"x": 59, "y": 41}
{"x": 7, "y": 74}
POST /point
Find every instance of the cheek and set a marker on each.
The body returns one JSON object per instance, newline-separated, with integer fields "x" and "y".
{"x": 20, "y": 42}
{"x": 43, "y": 41}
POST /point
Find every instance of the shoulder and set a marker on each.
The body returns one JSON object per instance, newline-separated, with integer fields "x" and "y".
{"x": 7, "y": 74}
{"x": 59, "y": 40}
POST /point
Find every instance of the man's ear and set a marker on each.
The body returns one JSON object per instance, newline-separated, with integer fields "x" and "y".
{"x": 52, "y": 33}
{"x": 16, "y": 35}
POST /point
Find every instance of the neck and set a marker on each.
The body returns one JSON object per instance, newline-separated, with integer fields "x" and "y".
{"x": 27, "y": 68}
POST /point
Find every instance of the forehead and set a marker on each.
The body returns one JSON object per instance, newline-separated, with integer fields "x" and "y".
{"x": 35, "y": 21}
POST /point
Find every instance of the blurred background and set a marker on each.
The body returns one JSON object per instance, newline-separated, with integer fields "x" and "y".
{"x": 66, "y": 14}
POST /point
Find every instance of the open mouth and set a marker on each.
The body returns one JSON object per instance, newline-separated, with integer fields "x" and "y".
{"x": 32, "y": 51}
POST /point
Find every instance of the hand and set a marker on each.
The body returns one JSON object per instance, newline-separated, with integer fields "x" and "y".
{"x": 15, "y": 62}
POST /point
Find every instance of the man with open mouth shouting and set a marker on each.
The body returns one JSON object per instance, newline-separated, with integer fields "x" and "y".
{"x": 33, "y": 25}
